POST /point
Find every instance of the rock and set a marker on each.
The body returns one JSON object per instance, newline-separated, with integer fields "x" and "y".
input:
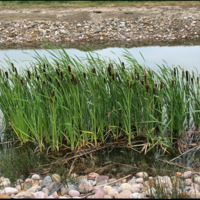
{"x": 39, "y": 195}
{"x": 85, "y": 187}
{"x": 136, "y": 186}
{"x": 117, "y": 188}
{"x": 45, "y": 190}
{"x": 197, "y": 180}
{"x": 132, "y": 181}
{"x": 139, "y": 180}
{"x": 5, "y": 182}
{"x": 24, "y": 194}
{"x": 123, "y": 194}
{"x": 63, "y": 191}
{"x": 71, "y": 187}
{"x": 107, "y": 188}
{"x": 112, "y": 192}
{"x": 188, "y": 182}
{"x": 35, "y": 177}
{"x": 10, "y": 190}
{"x": 74, "y": 193}
{"x": 178, "y": 174}
{"x": 46, "y": 180}
{"x": 142, "y": 175}
{"x": 56, "y": 178}
{"x": 135, "y": 195}
{"x": 107, "y": 197}
{"x": 4, "y": 196}
{"x": 93, "y": 183}
{"x": 195, "y": 186}
{"x": 133, "y": 189}
{"x": 187, "y": 174}
{"x": 33, "y": 189}
{"x": 18, "y": 187}
{"x": 194, "y": 194}
{"x": 27, "y": 184}
{"x": 98, "y": 194}
{"x": 52, "y": 186}
{"x": 125, "y": 186}
{"x": 55, "y": 195}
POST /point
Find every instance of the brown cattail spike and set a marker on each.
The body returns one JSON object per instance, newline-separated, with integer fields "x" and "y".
{"x": 156, "y": 85}
{"x": 16, "y": 71}
{"x": 197, "y": 80}
{"x": 51, "y": 100}
{"x": 145, "y": 78}
{"x": 61, "y": 75}
{"x": 142, "y": 82}
{"x": 161, "y": 85}
{"x": 22, "y": 81}
{"x": 94, "y": 70}
{"x": 57, "y": 72}
{"x": 97, "y": 85}
{"x": 109, "y": 70}
{"x": 192, "y": 80}
{"x": 38, "y": 78}
{"x": 84, "y": 74}
{"x": 72, "y": 77}
{"x": 147, "y": 88}
{"x": 172, "y": 84}
{"x": 69, "y": 69}
{"x": 58, "y": 83}
{"x": 174, "y": 72}
{"x": 44, "y": 70}
{"x": 138, "y": 76}
{"x": 44, "y": 82}
{"x": 13, "y": 67}
{"x": 113, "y": 77}
{"x": 75, "y": 81}
{"x": 187, "y": 76}
{"x": 104, "y": 80}
{"x": 50, "y": 79}
{"x": 29, "y": 74}
{"x": 154, "y": 90}
{"x": 6, "y": 73}
{"x": 53, "y": 93}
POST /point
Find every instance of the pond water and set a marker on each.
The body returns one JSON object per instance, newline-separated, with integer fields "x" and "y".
{"x": 185, "y": 56}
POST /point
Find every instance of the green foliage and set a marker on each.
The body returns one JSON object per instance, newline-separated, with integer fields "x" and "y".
{"x": 74, "y": 101}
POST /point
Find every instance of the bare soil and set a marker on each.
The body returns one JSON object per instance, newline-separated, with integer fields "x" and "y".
{"x": 96, "y": 13}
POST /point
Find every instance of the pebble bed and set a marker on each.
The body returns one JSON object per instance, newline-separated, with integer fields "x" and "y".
{"x": 139, "y": 29}
{"x": 94, "y": 185}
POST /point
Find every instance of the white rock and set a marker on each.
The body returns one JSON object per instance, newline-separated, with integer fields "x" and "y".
{"x": 35, "y": 176}
{"x": 125, "y": 186}
{"x": 197, "y": 180}
{"x": 135, "y": 195}
{"x": 11, "y": 190}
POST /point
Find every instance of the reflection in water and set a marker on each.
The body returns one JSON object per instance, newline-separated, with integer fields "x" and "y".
{"x": 185, "y": 56}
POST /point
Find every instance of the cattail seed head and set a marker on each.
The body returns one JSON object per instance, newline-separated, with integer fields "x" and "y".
{"x": 16, "y": 71}
{"x": 58, "y": 83}
{"x": 147, "y": 88}
{"x": 44, "y": 65}
{"x": 142, "y": 82}
{"x": 156, "y": 85}
{"x": 174, "y": 72}
{"x": 69, "y": 69}
{"x": 53, "y": 93}
{"x": 97, "y": 85}
{"x": 44, "y": 82}
{"x": 131, "y": 84}
{"x": 145, "y": 78}
{"x": 117, "y": 75}
{"x": 6, "y": 73}
{"x": 113, "y": 77}
{"x": 105, "y": 80}
{"x": 197, "y": 80}
{"x": 29, "y": 74}
{"x": 57, "y": 72}
{"x": 94, "y": 70}
{"x": 44, "y": 70}
{"x": 154, "y": 90}
{"x": 84, "y": 74}
{"x": 61, "y": 75}
{"x": 161, "y": 85}
{"x": 75, "y": 81}
{"x": 51, "y": 100}
{"x": 49, "y": 78}
{"x": 38, "y": 78}
{"x": 103, "y": 72}
{"x": 138, "y": 76}
{"x": 22, "y": 81}
{"x": 187, "y": 76}
{"x": 72, "y": 77}
{"x": 172, "y": 84}
{"x": 109, "y": 70}
{"x": 192, "y": 80}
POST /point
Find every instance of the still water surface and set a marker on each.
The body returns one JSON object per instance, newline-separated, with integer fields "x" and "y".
{"x": 187, "y": 57}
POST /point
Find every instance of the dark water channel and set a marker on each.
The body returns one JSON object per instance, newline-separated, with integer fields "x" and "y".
{"x": 118, "y": 161}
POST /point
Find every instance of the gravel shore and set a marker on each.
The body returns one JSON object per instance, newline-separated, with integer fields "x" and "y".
{"x": 144, "y": 29}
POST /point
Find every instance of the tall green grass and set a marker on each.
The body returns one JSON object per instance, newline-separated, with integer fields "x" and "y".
{"x": 76, "y": 102}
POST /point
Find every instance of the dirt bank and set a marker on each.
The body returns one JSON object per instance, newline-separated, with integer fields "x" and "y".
{"x": 96, "y": 13}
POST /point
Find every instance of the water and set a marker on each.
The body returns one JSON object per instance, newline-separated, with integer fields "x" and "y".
{"x": 185, "y": 56}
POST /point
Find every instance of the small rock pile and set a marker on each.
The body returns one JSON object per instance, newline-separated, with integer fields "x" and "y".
{"x": 94, "y": 185}
{"x": 114, "y": 29}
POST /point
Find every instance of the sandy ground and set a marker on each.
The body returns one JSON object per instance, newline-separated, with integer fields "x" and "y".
{"x": 96, "y": 13}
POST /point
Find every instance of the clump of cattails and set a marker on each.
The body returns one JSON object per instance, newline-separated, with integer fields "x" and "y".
{"x": 161, "y": 85}
{"x": 29, "y": 74}
{"x": 84, "y": 74}
{"x": 69, "y": 69}
{"x": 147, "y": 88}
{"x": 172, "y": 84}
{"x": 51, "y": 100}
{"x": 94, "y": 70}
{"x": 187, "y": 76}
{"x": 6, "y": 73}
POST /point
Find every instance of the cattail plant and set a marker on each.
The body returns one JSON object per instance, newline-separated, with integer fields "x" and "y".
{"x": 187, "y": 76}
{"x": 84, "y": 74}
{"x": 109, "y": 70}
{"x": 172, "y": 84}
{"x": 94, "y": 70}
{"x": 69, "y": 69}
{"x": 53, "y": 93}
{"x": 147, "y": 88}
{"x": 51, "y": 100}
{"x": 13, "y": 67}
{"x": 22, "y": 81}
{"x": 6, "y": 73}
{"x": 161, "y": 85}
{"x": 29, "y": 74}
{"x": 174, "y": 72}
{"x": 113, "y": 77}
{"x": 154, "y": 90}
{"x": 192, "y": 80}
{"x": 138, "y": 76}
{"x": 44, "y": 82}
